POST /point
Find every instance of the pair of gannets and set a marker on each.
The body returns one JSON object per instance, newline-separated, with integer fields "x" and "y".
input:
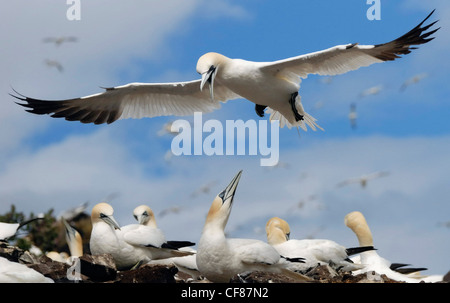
{"x": 219, "y": 258}
{"x": 270, "y": 85}
{"x": 132, "y": 244}
{"x": 314, "y": 251}
{"x": 373, "y": 262}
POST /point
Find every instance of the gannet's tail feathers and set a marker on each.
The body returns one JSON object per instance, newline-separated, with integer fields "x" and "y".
{"x": 307, "y": 120}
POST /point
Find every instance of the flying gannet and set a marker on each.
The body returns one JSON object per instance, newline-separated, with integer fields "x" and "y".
{"x": 220, "y": 258}
{"x": 272, "y": 86}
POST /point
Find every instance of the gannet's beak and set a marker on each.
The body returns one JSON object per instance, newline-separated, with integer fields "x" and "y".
{"x": 142, "y": 218}
{"x": 209, "y": 77}
{"x": 227, "y": 194}
{"x": 70, "y": 232}
{"x": 110, "y": 220}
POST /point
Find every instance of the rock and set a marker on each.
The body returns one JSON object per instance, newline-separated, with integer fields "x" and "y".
{"x": 98, "y": 268}
{"x": 54, "y": 270}
{"x": 263, "y": 277}
{"x": 322, "y": 273}
{"x": 149, "y": 274}
{"x": 12, "y": 253}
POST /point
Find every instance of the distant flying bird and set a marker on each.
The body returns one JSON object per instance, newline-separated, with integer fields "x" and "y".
{"x": 55, "y": 64}
{"x": 167, "y": 129}
{"x": 362, "y": 180}
{"x": 415, "y": 79}
{"x": 272, "y": 86}
{"x": 59, "y": 40}
{"x": 204, "y": 189}
{"x": 374, "y": 90}
{"x": 352, "y": 116}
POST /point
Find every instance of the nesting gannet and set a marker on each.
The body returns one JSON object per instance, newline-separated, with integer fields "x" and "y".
{"x": 131, "y": 244}
{"x": 8, "y": 230}
{"x": 270, "y": 85}
{"x": 145, "y": 216}
{"x": 371, "y": 260}
{"x": 219, "y": 258}
{"x": 314, "y": 251}
{"x": 14, "y": 272}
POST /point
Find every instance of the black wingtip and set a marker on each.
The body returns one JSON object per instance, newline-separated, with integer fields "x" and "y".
{"x": 356, "y": 250}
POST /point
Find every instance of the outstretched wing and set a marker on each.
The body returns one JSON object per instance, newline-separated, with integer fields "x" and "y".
{"x": 134, "y": 100}
{"x": 344, "y": 58}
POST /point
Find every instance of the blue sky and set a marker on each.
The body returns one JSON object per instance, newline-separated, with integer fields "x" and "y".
{"x": 52, "y": 163}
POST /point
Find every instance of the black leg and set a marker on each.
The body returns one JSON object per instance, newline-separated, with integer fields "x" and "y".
{"x": 298, "y": 117}
{"x": 260, "y": 110}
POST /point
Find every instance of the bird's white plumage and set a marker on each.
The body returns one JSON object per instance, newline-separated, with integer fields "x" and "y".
{"x": 314, "y": 251}
{"x": 270, "y": 85}
{"x": 220, "y": 258}
{"x": 145, "y": 216}
{"x": 129, "y": 245}
{"x": 371, "y": 260}
{"x": 14, "y": 272}
{"x": 7, "y": 230}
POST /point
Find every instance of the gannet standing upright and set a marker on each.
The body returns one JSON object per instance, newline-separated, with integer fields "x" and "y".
{"x": 370, "y": 259}
{"x": 219, "y": 258}
{"x": 314, "y": 251}
{"x": 130, "y": 245}
{"x": 269, "y": 85}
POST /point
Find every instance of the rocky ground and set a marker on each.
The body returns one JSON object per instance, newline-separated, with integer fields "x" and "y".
{"x": 101, "y": 269}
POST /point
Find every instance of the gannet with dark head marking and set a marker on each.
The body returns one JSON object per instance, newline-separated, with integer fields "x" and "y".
{"x": 145, "y": 216}
{"x": 270, "y": 85}
{"x": 314, "y": 251}
{"x": 130, "y": 245}
{"x": 219, "y": 258}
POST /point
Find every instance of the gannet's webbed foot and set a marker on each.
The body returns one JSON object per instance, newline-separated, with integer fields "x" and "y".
{"x": 297, "y": 116}
{"x": 260, "y": 110}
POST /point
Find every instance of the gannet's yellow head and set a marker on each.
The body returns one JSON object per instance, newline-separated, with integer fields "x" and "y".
{"x": 277, "y": 230}
{"x": 220, "y": 209}
{"x": 73, "y": 239}
{"x": 103, "y": 212}
{"x": 356, "y": 222}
